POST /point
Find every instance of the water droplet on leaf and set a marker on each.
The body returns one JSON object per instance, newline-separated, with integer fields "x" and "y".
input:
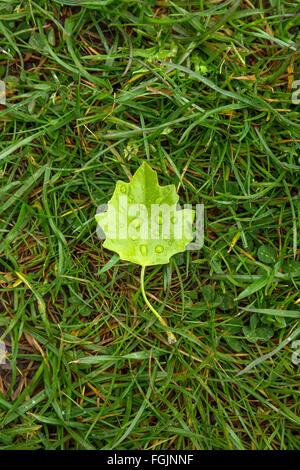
{"x": 137, "y": 223}
{"x": 143, "y": 250}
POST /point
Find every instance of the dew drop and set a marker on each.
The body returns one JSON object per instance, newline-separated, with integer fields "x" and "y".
{"x": 133, "y": 237}
{"x": 173, "y": 220}
{"x": 143, "y": 250}
{"x": 159, "y": 249}
{"x": 137, "y": 223}
{"x": 123, "y": 189}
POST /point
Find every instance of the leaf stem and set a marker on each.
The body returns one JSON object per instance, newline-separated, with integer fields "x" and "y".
{"x": 171, "y": 336}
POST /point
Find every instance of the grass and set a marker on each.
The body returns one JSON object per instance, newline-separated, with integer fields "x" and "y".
{"x": 202, "y": 91}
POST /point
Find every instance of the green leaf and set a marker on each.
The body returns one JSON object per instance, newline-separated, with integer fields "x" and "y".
{"x": 208, "y": 293}
{"x": 253, "y": 321}
{"x": 234, "y": 326}
{"x": 254, "y": 287}
{"x": 36, "y": 42}
{"x": 234, "y": 343}
{"x": 276, "y": 322}
{"x": 258, "y": 334}
{"x": 274, "y": 311}
{"x": 266, "y": 254}
{"x": 226, "y": 302}
{"x": 264, "y": 333}
{"x": 142, "y": 223}
{"x": 231, "y": 329}
{"x": 140, "y": 355}
{"x": 292, "y": 267}
{"x": 113, "y": 260}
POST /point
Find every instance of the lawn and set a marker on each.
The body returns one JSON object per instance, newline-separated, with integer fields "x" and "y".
{"x": 207, "y": 93}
